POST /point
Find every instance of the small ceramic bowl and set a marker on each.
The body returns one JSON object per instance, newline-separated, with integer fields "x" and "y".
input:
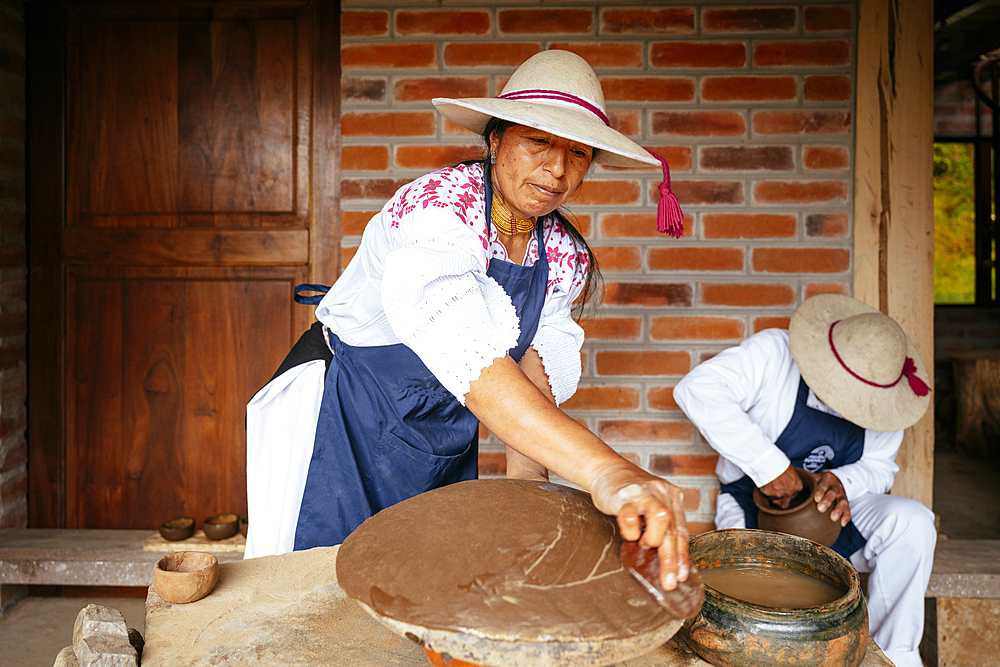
{"x": 244, "y": 526}
{"x": 221, "y": 526}
{"x": 177, "y": 529}
{"x": 185, "y": 576}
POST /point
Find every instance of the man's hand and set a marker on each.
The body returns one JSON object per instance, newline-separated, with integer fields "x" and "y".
{"x": 830, "y": 495}
{"x": 783, "y": 488}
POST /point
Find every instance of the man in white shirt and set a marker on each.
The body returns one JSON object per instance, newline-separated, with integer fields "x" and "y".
{"x": 831, "y": 395}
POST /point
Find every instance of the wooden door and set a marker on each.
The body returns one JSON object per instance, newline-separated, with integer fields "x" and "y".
{"x": 189, "y": 151}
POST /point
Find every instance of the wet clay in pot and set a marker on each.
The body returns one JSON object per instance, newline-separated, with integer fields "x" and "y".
{"x": 771, "y": 587}
{"x": 802, "y": 516}
{"x": 731, "y": 632}
{"x": 503, "y": 572}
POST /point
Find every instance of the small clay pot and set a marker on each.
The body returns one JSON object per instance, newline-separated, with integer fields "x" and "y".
{"x": 802, "y": 516}
{"x": 221, "y": 526}
{"x": 729, "y": 632}
{"x": 185, "y": 576}
{"x": 244, "y": 526}
{"x": 177, "y": 529}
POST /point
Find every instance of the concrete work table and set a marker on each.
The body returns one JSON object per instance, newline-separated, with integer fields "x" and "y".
{"x": 962, "y": 568}
{"x": 80, "y": 557}
{"x": 290, "y": 610}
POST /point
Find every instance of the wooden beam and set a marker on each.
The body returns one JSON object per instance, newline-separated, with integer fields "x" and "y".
{"x": 893, "y": 195}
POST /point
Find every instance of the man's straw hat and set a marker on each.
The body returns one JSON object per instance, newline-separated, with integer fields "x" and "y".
{"x": 558, "y": 92}
{"x": 859, "y": 362}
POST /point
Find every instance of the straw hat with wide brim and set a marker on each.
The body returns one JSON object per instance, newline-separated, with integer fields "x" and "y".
{"x": 859, "y": 362}
{"x": 558, "y": 92}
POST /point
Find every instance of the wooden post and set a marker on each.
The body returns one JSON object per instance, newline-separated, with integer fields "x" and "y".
{"x": 893, "y": 195}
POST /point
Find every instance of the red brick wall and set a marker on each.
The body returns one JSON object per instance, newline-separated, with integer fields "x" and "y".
{"x": 13, "y": 271}
{"x": 753, "y": 107}
{"x": 955, "y": 111}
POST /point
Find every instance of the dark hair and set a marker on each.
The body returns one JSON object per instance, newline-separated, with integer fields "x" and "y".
{"x": 593, "y": 281}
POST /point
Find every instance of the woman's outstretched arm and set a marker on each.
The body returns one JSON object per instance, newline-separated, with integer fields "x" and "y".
{"x": 646, "y": 506}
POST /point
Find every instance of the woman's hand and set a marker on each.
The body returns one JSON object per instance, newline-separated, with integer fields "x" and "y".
{"x": 648, "y": 509}
{"x": 783, "y": 488}
{"x": 830, "y": 494}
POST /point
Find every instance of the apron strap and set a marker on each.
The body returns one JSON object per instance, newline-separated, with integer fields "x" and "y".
{"x": 312, "y": 300}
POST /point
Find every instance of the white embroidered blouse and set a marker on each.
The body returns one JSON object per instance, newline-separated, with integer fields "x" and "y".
{"x": 419, "y": 278}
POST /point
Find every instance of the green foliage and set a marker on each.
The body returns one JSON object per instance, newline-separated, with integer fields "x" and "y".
{"x": 954, "y": 224}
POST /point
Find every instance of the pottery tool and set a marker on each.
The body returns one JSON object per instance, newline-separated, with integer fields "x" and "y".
{"x": 642, "y": 563}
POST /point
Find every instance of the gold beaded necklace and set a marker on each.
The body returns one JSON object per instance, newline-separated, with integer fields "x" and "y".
{"x": 506, "y": 222}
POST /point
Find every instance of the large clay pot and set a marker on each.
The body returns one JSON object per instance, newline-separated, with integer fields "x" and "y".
{"x": 733, "y": 633}
{"x": 802, "y": 517}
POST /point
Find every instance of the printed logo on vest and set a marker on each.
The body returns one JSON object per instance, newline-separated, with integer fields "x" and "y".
{"x": 817, "y": 458}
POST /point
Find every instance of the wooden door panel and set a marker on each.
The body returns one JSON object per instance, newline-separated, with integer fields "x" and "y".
{"x": 124, "y": 82}
{"x": 163, "y": 367}
{"x": 184, "y": 117}
{"x": 195, "y": 148}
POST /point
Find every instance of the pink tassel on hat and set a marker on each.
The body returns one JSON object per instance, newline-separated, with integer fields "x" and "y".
{"x": 669, "y": 217}
{"x": 916, "y": 384}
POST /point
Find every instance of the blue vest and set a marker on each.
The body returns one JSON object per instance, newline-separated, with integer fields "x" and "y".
{"x": 815, "y": 441}
{"x": 388, "y": 430}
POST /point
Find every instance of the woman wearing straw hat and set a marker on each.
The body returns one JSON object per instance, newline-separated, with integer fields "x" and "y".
{"x": 831, "y": 395}
{"x": 456, "y": 309}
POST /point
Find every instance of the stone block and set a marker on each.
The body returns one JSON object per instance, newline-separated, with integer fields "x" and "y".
{"x": 101, "y": 639}
{"x": 103, "y": 649}
{"x": 968, "y": 632}
{"x": 96, "y": 618}
{"x": 66, "y": 658}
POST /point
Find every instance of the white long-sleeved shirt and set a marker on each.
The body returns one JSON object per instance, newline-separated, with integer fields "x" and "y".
{"x": 743, "y": 398}
{"x": 419, "y": 278}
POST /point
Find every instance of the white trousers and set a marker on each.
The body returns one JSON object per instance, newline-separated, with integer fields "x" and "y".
{"x": 281, "y": 430}
{"x": 899, "y": 554}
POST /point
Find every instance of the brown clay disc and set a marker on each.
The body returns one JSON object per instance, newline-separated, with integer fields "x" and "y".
{"x": 508, "y": 559}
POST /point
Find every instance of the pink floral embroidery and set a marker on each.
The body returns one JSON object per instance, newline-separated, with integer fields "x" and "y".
{"x": 460, "y": 191}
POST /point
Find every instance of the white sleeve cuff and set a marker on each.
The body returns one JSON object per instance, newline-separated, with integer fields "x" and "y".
{"x": 768, "y": 466}
{"x": 560, "y": 353}
{"x": 449, "y": 312}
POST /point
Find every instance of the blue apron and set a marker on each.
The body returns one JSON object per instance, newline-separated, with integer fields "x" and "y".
{"x": 388, "y": 430}
{"x": 815, "y": 441}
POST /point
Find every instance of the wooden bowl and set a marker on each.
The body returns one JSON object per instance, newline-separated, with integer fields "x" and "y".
{"x": 221, "y": 526}
{"x": 244, "y": 526}
{"x": 185, "y": 576}
{"x": 177, "y": 529}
